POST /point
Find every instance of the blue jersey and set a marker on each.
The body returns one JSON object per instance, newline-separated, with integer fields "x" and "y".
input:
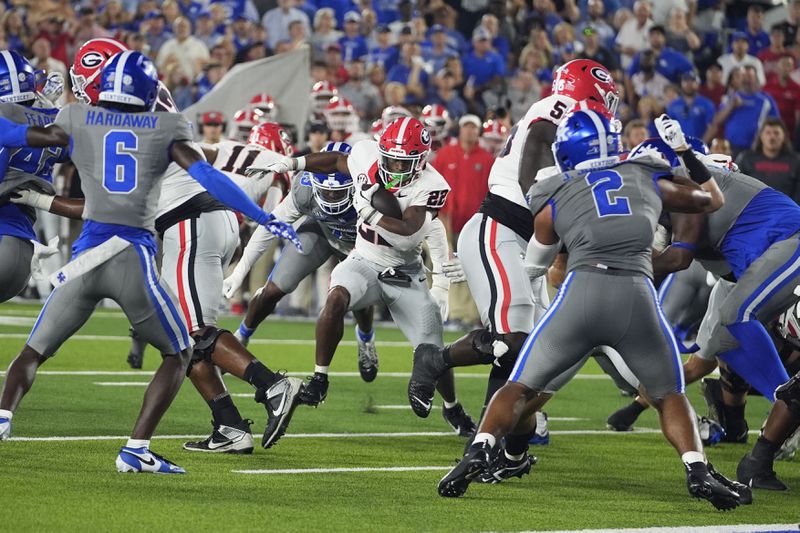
{"x": 744, "y": 121}
{"x": 694, "y": 118}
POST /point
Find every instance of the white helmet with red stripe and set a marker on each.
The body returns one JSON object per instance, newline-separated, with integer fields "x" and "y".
{"x": 393, "y": 112}
{"x": 494, "y": 136}
{"x": 266, "y": 104}
{"x": 85, "y": 70}
{"x": 437, "y": 119}
{"x": 271, "y": 136}
{"x": 404, "y": 147}
{"x": 341, "y": 115}
{"x": 376, "y": 129}
{"x": 243, "y": 121}
{"x": 321, "y": 95}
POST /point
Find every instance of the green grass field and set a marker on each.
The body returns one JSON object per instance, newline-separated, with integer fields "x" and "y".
{"x": 586, "y": 478}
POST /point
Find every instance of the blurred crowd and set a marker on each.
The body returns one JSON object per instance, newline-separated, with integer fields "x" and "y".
{"x": 726, "y": 69}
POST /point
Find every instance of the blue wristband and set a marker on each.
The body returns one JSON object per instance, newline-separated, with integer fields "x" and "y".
{"x": 685, "y": 245}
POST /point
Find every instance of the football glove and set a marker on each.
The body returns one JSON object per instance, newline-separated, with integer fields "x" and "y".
{"x": 232, "y": 283}
{"x": 362, "y": 201}
{"x": 53, "y": 87}
{"x": 32, "y": 198}
{"x": 671, "y": 133}
{"x": 440, "y": 292}
{"x": 284, "y": 231}
{"x": 453, "y": 270}
{"x": 281, "y": 166}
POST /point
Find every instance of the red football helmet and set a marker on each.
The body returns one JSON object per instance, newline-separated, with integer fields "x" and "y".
{"x": 393, "y": 112}
{"x": 341, "y": 115}
{"x": 266, "y": 104}
{"x": 85, "y": 70}
{"x": 437, "y": 119}
{"x": 321, "y": 94}
{"x": 243, "y": 122}
{"x": 494, "y": 136}
{"x": 584, "y": 79}
{"x": 404, "y": 147}
{"x": 271, "y": 136}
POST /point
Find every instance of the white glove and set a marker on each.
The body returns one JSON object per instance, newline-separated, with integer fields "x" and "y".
{"x": 453, "y": 270}
{"x": 53, "y": 87}
{"x": 671, "y": 133}
{"x": 362, "y": 201}
{"x": 661, "y": 239}
{"x": 441, "y": 294}
{"x": 32, "y": 198}
{"x": 232, "y": 283}
{"x": 40, "y": 253}
{"x": 281, "y": 166}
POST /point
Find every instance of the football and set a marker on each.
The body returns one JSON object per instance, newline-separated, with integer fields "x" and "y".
{"x": 386, "y": 202}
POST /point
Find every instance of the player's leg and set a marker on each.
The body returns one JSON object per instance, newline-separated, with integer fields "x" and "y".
{"x": 354, "y": 284}
{"x": 15, "y": 266}
{"x": 755, "y": 469}
{"x": 365, "y": 338}
{"x": 292, "y": 267}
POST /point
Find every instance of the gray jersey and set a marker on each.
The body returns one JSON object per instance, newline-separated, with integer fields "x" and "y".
{"x": 605, "y": 217}
{"x": 339, "y": 230}
{"x": 121, "y": 158}
{"x": 30, "y": 166}
{"x": 738, "y": 189}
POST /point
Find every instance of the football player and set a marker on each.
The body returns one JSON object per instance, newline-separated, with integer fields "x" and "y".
{"x": 266, "y": 105}
{"x": 385, "y": 263}
{"x": 342, "y": 119}
{"x": 494, "y": 136}
{"x": 121, "y": 190}
{"x": 495, "y": 240}
{"x": 604, "y": 212}
{"x": 200, "y": 235}
{"x": 321, "y": 95}
{"x": 437, "y": 119}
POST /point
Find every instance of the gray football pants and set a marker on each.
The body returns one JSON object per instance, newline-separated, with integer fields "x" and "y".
{"x": 15, "y": 265}
{"x": 293, "y": 267}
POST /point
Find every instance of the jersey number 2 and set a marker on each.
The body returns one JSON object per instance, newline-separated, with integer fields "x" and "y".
{"x": 602, "y": 183}
{"x": 120, "y": 167}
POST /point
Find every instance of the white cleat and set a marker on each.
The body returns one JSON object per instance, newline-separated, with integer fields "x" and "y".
{"x": 5, "y": 428}
{"x": 139, "y": 460}
{"x": 367, "y": 358}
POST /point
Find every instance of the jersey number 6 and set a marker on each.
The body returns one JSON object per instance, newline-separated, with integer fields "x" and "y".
{"x": 120, "y": 167}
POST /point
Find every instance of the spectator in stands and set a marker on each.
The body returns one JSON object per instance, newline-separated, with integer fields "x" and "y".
{"x": 483, "y": 66}
{"x": 406, "y": 9}
{"x": 52, "y": 29}
{"x": 178, "y": 84}
{"x": 743, "y": 112}
{"x": 155, "y": 31}
{"x": 444, "y": 82}
{"x": 634, "y": 133}
{"x": 564, "y": 40}
{"x": 713, "y": 88}
{"x": 720, "y": 146}
{"x": 757, "y": 38}
{"x": 191, "y": 9}
{"x": 633, "y": 35}
{"x": 786, "y": 93}
{"x": 212, "y": 73}
{"x": 499, "y": 43}
{"x": 680, "y": 36}
{"x": 222, "y": 53}
{"x": 114, "y": 18}
{"x": 595, "y": 51}
{"x": 377, "y": 77}
{"x": 205, "y": 30}
{"x": 383, "y": 54}
{"x": 647, "y": 109}
{"x": 663, "y": 9}
{"x": 185, "y": 49}
{"x": 543, "y": 15}
{"x": 523, "y": 91}
{"x": 318, "y": 136}
{"x": 668, "y": 62}
{"x": 297, "y": 35}
{"x": 769, "y": 56}
{"x": 138, "y": 42}
{"x": 213, "y": 126}
{"x": 693, "y": 111}
{"x": 772, "y": 159}
{"x": 354, "y": 45}
{"x": 325, "y": 31}
{"x": 792, "y": 20}
{"x": 453, "y": 64}
{"x": 242, "y": 33}
{"x": 394, "y": 93}
{"x": 364, "y": 96}
{"x": 410, "y": 72}
{"x": 437, "y": 50}
{"x": 506, "y": 26}
{"x": 597, "y": 22}
{"x": 738, "y": 57}
{"x": 647, "y": 81}
{"x": 43, "y": 60}
{"x": 276, "y": 22}
{"x": 86, "y": 28}
{"x": 369, "y": 26}
{"x": 333, "y": 58}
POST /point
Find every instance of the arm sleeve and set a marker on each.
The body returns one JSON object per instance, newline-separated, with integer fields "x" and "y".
{"x": 226, "y": 191}
{"x": 13, "y": 135}
{"x": 258, "y": 244}
{"x": 437, "y": 245}
{"x": 406, "y": 243}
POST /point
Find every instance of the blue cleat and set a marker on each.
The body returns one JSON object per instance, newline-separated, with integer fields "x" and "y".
{"x": 138, "y": 460}
{"x": 542, "y": 435}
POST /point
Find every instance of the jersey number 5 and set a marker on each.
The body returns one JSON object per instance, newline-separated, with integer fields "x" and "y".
{"x": 602, "y": 183}
{"x": 120, "y": 167}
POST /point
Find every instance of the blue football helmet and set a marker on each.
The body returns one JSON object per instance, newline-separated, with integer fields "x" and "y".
{"x": 129, "y": 78}
{"x": 656, "y": 147}
{"x": 18, "y": 78}
{"x": 586, "y": 133}
{"x": 333, "y": 192}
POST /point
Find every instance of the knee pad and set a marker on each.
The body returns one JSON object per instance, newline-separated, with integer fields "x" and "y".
{"x": 789, "y": 393}
{"x": 204, "y": 345}
{"x": 732, "y": 382}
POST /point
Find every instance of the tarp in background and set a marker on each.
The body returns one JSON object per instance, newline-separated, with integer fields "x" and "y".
{"x": 286, "y": 77}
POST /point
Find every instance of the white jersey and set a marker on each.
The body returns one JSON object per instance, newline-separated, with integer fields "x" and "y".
{"x": 376, "y": 244}
{"x": 504, "y": 175}
{"x": 177, "y": 188}
{"x": 234, "y": 157}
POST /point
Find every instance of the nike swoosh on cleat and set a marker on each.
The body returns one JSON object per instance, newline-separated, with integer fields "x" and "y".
{"x": 279, "y": 409}
{"x": 150, "y": 461}
{"x": 423, "y": 404}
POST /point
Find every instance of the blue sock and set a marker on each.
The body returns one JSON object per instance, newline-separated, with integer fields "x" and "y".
{"x": 365, "y": 337}
{"x": 756, "y": 359}
{"x": 246, "y": 332}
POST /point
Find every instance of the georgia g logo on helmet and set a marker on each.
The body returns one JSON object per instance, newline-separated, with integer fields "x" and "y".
{"x": 601, "y": 74}
{"x": 92, "y": 59}
{"x": 425, "y": 136}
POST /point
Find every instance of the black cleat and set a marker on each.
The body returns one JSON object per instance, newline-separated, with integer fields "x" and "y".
{"x": 315, "y": 390}
{"x": 280, "y": 400}
{"x": 712, "y": 394}
{"x": 225, "y": 439}
{"x": 459, "y": 420}
{"x": 623, "y": 419}
{"x": 474, "y": 462}
{"x": 136, "y": 355}
{"x": 428, "y": 366}
{"x": 503, "y": 468}
{"x": 758, "y": 476}
{"x": 367, "y": 358}
{"x": 702, "y": 485}
{"x": 744, "y": 492}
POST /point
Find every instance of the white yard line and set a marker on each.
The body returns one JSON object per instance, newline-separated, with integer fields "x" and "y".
{"x": 343, "y": 470}
{"x": 148, "y": 374}
{"x": 739, "y": 528}
{"x": 17, "y": 321}
{"x": 123, "y": 383}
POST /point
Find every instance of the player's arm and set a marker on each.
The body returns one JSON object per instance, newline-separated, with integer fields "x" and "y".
{"x": 536, "y": 152}
{"x": 678, "y": 198}
{"x": 15, "y": 135}
{"x": 321, "y": 162}
{"x": 543, "y": 246}
{"x": 686, "y": 230}
{"x": 58, "y": 205}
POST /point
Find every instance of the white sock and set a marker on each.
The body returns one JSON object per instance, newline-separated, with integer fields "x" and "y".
{"x": 485, "y": 437}
{"x": 321, "y": 369}
{"x": 514, "y": 457}
{"x": 450, "y": 405}
{"x": 6, "y": 414}
{"x": 138, "y": 443}
{"x": 693, "y": 457}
